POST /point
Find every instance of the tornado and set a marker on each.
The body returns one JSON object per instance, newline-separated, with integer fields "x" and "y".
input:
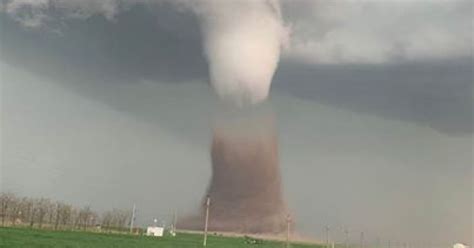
{"x": 245, "y": 187}
{"x": 242, "y": 40}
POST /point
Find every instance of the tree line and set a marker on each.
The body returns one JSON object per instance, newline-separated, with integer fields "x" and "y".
{"x": 47, "y": 213}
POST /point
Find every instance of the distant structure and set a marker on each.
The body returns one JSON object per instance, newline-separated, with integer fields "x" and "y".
{"x": 459, "y": 245}
{"x": 155, "y": 231}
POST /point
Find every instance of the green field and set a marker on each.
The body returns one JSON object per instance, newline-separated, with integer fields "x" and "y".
{"x": 35, "y": 238}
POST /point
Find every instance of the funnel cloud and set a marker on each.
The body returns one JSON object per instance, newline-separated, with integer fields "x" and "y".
{"x": 242, "y": 42}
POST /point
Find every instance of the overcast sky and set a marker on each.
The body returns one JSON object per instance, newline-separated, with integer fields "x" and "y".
{"x": 107, "y": 103}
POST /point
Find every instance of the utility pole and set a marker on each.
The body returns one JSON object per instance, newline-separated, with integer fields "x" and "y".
{"x": 361, "y": 239}
{"x": 133, "y": 218}
{"x": 175, "y": 220}
{"x": 208, "y": 202}
{"x": 346, "y": 237}
{"x": 288, "y": 227}
{"x": 326, "y": 230}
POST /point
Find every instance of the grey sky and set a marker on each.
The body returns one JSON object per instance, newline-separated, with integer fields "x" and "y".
{"x": 104, "y": 109}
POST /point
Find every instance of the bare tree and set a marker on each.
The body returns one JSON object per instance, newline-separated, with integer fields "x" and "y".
{"x": 14, "y": 211}
{"x": 75, "y": 216}
{"x": 107, "y": 218}
{"x": 84, "y": 217}
{"x": 22, "y": 214}
{"x": 43, "y": 212}
{"x": 5, "y": 202}
{"x": 51, "y": 215}
{"x": 42, "y": 208}
{"x": 65, "y": 214}
{"x": 121, "y": 218}
{"x": 116, "y": 219}
{"x": 57, "y": 214}
{"x": 31, "y": 210}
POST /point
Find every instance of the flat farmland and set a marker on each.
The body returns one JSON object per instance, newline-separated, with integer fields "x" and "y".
{"x": 40, "y": 238}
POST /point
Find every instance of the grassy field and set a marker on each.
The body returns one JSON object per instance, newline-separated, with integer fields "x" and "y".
{"x": 35, "y": 238}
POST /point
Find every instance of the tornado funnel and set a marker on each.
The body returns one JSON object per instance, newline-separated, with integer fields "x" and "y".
{"x": 245, "y": 187}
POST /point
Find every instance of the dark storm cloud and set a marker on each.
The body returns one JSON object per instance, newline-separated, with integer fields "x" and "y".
{"x": 164, "y": 44}
{"x": 437, "y": 94}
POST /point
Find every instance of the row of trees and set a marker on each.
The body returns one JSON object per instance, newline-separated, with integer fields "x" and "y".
{"x": 46, "y": 213}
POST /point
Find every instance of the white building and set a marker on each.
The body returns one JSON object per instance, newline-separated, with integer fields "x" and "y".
{"x": 155, "y": 231}
{"x": 459, "y": 245}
